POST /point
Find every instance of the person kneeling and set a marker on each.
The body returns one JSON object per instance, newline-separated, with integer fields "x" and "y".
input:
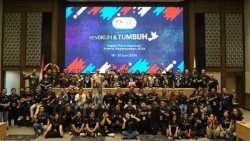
{"x": 54, "y": 129}
{"x": 41, "y": 121}
{"x": 92, "y": 125}
{"x": 130, "y": 126}
{"x": 173, "y": 129}
{"x": 78, "y": 125}
{"x": 213, "y": 129}
{"x": 106, "y": 125}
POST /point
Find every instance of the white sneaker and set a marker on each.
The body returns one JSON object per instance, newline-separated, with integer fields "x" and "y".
{"x": 70, "y": 133}
{"x": 111, "y": 134}
{"x": 20, "y": 118}
{"x": 99, "y": 134}
{"x": 27, "y": 118}
{"x": 83, "y": 134}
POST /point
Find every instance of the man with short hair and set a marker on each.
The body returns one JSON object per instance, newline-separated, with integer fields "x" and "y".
{"x": 14, "y": 106}
{"x": 4, "y": 105}
{"x": 33, "y": 80}
{"x": 41, "y": 121}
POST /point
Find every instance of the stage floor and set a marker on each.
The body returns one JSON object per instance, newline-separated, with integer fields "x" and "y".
{"x": 25, "y": 133}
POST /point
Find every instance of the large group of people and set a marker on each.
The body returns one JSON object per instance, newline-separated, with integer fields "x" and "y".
{"x": 171, "y": 113}
{"x": 113, "y": 78}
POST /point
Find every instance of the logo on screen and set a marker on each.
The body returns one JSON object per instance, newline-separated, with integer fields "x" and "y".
{"x": 153, "y": 36}
{"x": 124, "y": 23}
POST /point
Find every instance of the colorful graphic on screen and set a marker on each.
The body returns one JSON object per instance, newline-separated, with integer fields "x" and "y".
{"x": 130, "y": 38}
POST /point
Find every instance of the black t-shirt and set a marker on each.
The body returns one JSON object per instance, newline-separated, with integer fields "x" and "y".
{"x": 182, "y": 99}
{"x": 38, "y": 98}
{"x": 215, "y": 103}
{"x": 160, "y": 116}
{"x": 42, "y": 118}
{"x": 174, "y": 126}
{"x": 25, "y": 96}
{"x": 152, "y": 97}
{"x": 78, "y": 122}
{"x": 55, "y": 125}
{"x": 225, "y": 123}
{"x": 106, "y": 126}
{"x": 212, "y": 84}
{"x": 128, "y": 96}
{"x": 67, "y": 116}
{"x": 14, "y": 100}
{"x": 194, "y": 123}
{"x": 141, "y": 98}
{"x": 236, "y": 118}
{"x": 227, "y": 100}
{"x": 109, "y": 99}
{"x": 71, "y": 97}
{"x": 117, "y": 117}
{"x": 204, "y": 81}
{"x": 4, "y": 99}
{"x": 130, "y": 125}
{"x": 201, "y": 100}
{"x": 45, "y": 82}
{"x": 92, "y": 122}
{"x": 185, "y": 125}
{"x": 51, "y": 96}
{"x": 144, "y": 114}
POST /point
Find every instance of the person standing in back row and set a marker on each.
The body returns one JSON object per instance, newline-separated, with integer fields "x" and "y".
{"x": 33, "y": 80}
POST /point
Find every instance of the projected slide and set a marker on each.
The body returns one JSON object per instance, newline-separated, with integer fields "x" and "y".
{"x": 131, "y": 38}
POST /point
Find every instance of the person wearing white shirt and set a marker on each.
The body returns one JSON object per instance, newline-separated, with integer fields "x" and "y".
{"x": 80, "y": 99}
{"x": 97, "y": 79}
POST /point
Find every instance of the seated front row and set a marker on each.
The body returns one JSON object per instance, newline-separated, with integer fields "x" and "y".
{"x": 199, "y": 123}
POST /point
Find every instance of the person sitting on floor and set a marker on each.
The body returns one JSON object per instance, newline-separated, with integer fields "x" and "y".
{"x": 173, "y": 131}
{"x": 92, "y": 125}
{"x": 54, "y": 129}
{"x": 213, "y": 129}
{"x": 78, "y": 125}
{"x": 225, "y": 125}
{"x": 105, "y": 124}
{"x": 41, "y": 122}
{"x": 130, "y": 126}
{"x": 185, "y": 127}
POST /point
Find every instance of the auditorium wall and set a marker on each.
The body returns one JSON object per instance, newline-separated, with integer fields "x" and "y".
{"x": 226, "y": 74}
{"x": 1, "y": 27}
{"x": 247, "y": 51}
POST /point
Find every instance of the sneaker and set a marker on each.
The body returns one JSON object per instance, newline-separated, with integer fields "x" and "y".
{"x": 83, "y": 134}
{"x": 70, "y": 133}
{"x": 111, "y": 134}
{"x": 99, "y": 134}
{"x": 27, "y": 118}
{"x": 20, "y": 118}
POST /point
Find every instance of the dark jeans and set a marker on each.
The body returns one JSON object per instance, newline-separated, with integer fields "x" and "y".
{"x": 24, "y": 111}
{"x": 130, "y": 135}
{"x": 4, "y": 116}
{"x": 13, "y": 114}
{"x": 38, "y": 127}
